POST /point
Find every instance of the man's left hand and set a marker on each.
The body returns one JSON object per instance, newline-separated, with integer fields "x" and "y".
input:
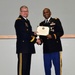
{"x": 49, "y": 36}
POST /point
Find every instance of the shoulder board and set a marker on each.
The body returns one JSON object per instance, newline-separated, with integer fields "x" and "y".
{"x": 18, "y": 19}
{"x": 55, "y": 18}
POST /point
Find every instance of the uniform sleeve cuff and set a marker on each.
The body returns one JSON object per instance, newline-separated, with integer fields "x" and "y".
{"x": 55, "y": 36}
{"x": 33, "y": 38}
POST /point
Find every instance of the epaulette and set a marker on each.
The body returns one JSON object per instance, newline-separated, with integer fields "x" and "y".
{"x": 56, "y": 18}
{"x": 18, "y": 19}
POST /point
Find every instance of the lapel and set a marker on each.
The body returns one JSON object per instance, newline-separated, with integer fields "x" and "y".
{"x": 50, "y": 21}
{"x": 22, "y": 18}
{"x": 27, "y": 23}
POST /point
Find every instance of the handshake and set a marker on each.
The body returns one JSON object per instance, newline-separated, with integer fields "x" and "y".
{"x": 39, "y": 40}
{"x": 43, "y": 31}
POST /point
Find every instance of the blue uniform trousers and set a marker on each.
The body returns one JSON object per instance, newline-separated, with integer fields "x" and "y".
{"x": 48, "y": 59}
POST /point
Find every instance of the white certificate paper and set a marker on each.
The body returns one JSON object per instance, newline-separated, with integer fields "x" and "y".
{"x": 42, "y": 30}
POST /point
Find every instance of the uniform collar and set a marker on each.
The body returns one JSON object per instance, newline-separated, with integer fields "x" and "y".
{"x": 48, "y": 19}
{"x": 23, "y": 18}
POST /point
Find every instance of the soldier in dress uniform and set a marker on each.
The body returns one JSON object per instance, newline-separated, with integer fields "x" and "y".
{"x": 51, "y": 43}
{"x": 25, "y": 42}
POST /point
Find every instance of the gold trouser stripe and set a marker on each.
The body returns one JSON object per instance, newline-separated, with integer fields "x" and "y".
{"x": 60, "y": 63}
{"x": 20, "y": 64}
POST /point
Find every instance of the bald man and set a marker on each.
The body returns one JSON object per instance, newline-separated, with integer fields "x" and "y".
{"x": 51, "y": 43}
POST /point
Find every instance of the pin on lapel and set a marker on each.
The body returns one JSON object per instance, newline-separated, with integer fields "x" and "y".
{"x": 26, "y": 24}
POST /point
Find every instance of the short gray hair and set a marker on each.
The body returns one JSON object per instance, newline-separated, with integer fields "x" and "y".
{"x": 23, "y": 7}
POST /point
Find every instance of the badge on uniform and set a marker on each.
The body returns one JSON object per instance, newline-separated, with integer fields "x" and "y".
{"x": 52, "y": 29}
{"x": 52, "y": 24}
{"x": 26, "y": 24}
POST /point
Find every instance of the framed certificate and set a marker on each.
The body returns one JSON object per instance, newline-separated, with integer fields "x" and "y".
{"x": 42, "y": 30}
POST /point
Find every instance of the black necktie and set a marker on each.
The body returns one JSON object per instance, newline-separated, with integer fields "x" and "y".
{"x": 46, "y": 21}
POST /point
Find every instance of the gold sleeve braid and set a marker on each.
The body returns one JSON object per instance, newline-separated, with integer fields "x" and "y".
{"x": 33, "y": 38}
{"x": 55, "y": 36}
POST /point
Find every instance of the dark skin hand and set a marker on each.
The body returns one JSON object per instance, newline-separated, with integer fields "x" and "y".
{"x": 47, "y": 14}
{"x": 49, "y": 36}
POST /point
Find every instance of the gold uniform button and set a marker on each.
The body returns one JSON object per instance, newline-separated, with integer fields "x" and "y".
{"x": 23, "y": 41}
{"x": 47, "y": 38}
{"x": 27, "y": 29}
{"x": 57, "y": 41}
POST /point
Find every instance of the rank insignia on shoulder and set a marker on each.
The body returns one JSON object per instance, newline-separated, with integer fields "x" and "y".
{"x": 18, "y": 19}
{"x": 56, "y": 18}
{"x": 52, "y": 24}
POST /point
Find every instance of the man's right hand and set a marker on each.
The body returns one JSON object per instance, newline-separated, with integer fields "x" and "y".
{"x": 38, "y": 41}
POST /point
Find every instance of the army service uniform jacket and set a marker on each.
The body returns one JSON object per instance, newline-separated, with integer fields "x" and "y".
{"x": 25, "y": 36}
{"x": 56, "y": 31}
